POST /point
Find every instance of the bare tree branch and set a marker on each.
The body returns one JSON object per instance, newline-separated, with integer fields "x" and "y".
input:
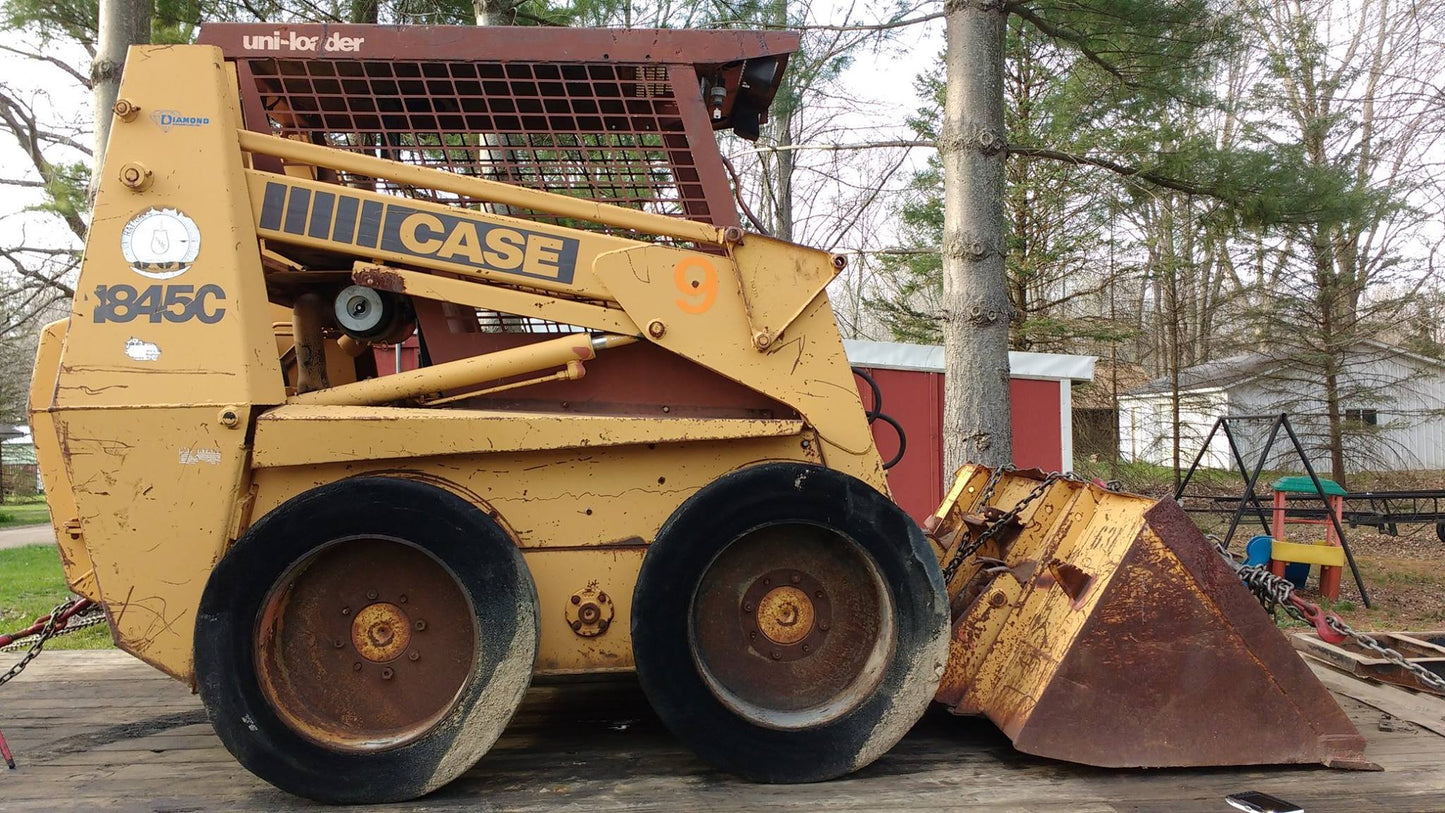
{"x": 21, "y": 122}
{"x": 56, "y": 61}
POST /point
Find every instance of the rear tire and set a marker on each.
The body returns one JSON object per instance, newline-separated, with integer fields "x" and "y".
{"x": 789, "y": 623}
{"x": 367, "y": 641}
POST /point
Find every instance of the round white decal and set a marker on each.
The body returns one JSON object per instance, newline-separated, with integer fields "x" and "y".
{"x": 160, "y": 243}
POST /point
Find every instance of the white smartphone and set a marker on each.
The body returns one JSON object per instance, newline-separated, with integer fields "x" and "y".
{"x": 1252, "y": 801}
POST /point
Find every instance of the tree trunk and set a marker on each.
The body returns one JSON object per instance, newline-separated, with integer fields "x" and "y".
{"x": 121, "y": 24}
{"x": 976, "y": 309}
{"x": 495, "y": 12}
{"x": 783, "y": 212}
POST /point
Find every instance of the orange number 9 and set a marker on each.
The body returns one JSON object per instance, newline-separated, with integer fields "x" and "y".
{"x": 696, "y": 280}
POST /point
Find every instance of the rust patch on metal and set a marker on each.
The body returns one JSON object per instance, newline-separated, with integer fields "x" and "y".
{"x": 381, "y": 632}
{"x": 748, "y": 662}
{"x": 589, "y": 611}
{"x": 1073, "y": 581}
{"x": 786, "y": 614}
{"x": 1163, "y": 626}
{"x": 365, "y": 645}
{"x": 379, "y": 277}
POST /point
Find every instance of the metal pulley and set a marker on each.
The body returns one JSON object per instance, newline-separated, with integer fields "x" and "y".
{"x": 369, "y": 315}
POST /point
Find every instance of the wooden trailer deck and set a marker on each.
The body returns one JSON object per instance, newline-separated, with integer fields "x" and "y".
{"x": 101, "y": 731}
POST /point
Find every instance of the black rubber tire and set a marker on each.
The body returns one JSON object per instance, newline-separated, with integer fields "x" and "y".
{"x": 726, "y": 510}
{"x": 478, "y": 552}
{"x": 1440, "y": 531}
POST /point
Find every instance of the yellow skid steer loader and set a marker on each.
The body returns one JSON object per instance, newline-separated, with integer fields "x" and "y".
{"x": 632, "y": 441}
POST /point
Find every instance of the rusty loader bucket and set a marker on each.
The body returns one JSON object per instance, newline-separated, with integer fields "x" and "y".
{"x": 1102, "y": 628}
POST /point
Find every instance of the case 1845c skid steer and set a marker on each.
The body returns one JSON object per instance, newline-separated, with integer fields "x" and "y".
{"x": 633, "y": 441}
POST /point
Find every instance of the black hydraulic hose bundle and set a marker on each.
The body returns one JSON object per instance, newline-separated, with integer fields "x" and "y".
{"x": 876, "y": 413}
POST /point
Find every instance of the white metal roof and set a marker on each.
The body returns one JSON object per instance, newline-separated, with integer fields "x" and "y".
{"x": 929, "y": 359}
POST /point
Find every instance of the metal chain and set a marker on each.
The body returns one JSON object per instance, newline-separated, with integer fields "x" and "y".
{"x": 75, "y": 623}
{"x": 44, "y": 635}
{"x": 1275, "y": 591}
{"x": 969, "y": 548}
{"x": 1424, "y": 675}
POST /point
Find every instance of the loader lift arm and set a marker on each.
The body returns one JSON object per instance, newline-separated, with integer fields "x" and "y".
{"x": 684, "y": 300}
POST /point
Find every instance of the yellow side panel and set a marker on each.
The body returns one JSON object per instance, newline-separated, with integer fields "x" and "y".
{"x": 155, "y": 489}
{"x": 303, "y": 434}
{"x": 74, "y": 558}
{"x": 560, "y": 573}
{"x": 171, "y": 305}
{"x": 581, "y": 516}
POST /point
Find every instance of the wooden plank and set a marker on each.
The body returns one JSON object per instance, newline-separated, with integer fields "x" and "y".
{"x": 1421, "y": 709}
{"x": 599, "y": 747}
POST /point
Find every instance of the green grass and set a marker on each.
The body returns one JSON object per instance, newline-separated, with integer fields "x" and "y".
{"x": 1148, "y": 478}
{"x": 28, "y": 511}
{"x": 31, "y": 584}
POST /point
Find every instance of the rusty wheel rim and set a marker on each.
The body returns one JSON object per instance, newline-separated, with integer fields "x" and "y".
{"x": 791, "y": 626}
{"x": 366, "y": 644}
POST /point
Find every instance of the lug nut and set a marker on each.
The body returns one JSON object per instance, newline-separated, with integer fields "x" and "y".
{"x": 371, "y": 595}
{"x": 576, "y": 625}
{"x": 413, "y": 655}
{"x": 777, "y": 656}
{"x": 806, "y": 648}
{"x": 576, "y": 599}
{"x": 401, "y": 599}
{"x": 386, "y": 673}
{"x": 818, "y": 594}
{"x": 346, "y": 611}
{"x": 337, "y": 643}
{"x": 420, "y": 625}
{"x": 601, "y": 598}
{"x": 747, "y": 606}
{"x": 356, "y": 667}
{"x": 823, "y": 626}
{"x": 796, "y": 578}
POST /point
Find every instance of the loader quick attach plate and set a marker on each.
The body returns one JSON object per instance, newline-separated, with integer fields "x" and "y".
{"x": 1105, "y": 629}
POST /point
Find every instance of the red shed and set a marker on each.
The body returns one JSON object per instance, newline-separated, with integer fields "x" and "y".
{"x": 910, "y": 378}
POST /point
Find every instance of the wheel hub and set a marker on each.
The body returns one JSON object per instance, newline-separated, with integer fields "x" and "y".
{"x": 381, "y": 632}
{"x": 786, "y": 615}
{"x": 810, "y": 628}
{"x": 365, "y": 644}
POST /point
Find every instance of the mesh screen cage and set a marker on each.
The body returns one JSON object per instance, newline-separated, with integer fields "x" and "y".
{"x": 616, "y": 116}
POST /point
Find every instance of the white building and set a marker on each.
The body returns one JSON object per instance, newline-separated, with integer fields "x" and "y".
{"x": 1392, "y": 402}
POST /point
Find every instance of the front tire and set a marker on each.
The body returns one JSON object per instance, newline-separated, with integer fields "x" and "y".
{"x": 367, "y": 641}
{"x": 789, "y": 623}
